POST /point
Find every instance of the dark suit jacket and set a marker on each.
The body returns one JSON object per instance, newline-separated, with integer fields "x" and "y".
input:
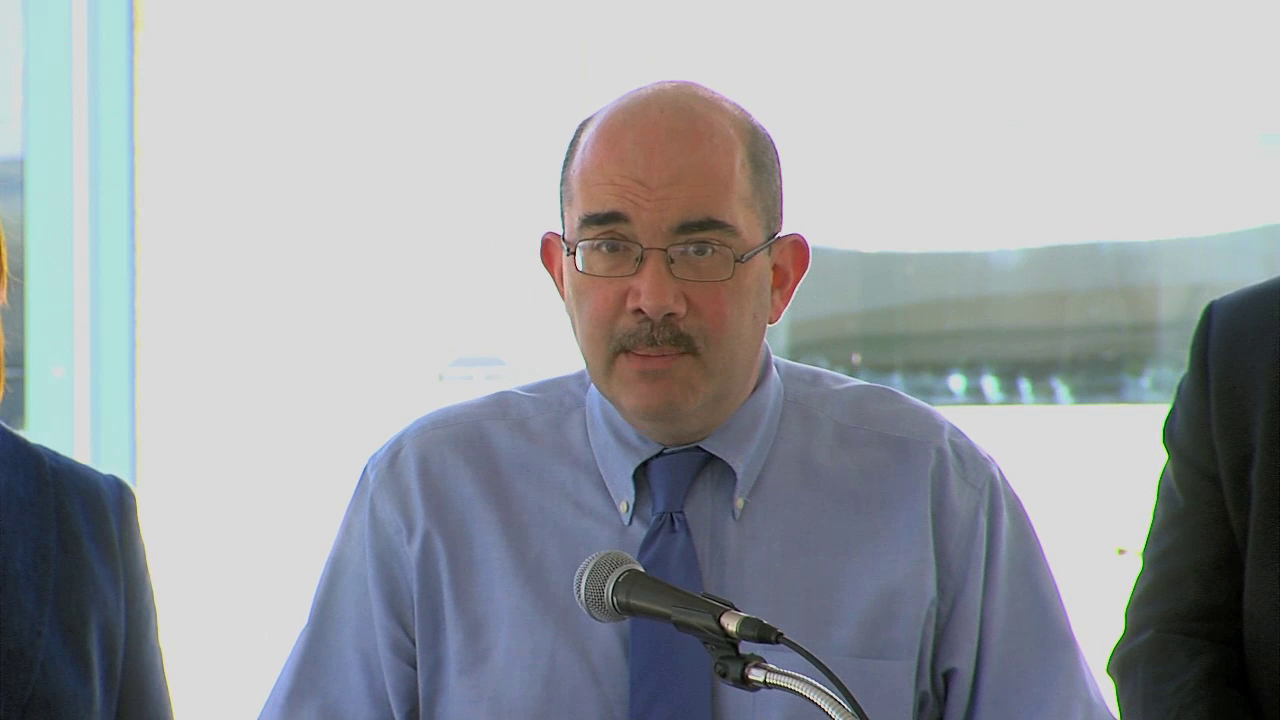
{"x": 77, "y": 619}
{"x": 1201, "y": 638}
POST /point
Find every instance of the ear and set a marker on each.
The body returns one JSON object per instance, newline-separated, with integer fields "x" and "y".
{"x": 790, "y": 263}
{"x": 553, "y": 258}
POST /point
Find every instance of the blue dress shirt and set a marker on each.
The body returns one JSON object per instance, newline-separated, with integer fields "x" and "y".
{"x": 854, "y": 518}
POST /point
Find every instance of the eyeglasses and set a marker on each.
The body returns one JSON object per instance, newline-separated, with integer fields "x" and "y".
{"x": 696, "y": 261}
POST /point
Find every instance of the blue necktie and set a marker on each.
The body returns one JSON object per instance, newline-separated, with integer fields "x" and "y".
{"x": 670, "y": 671}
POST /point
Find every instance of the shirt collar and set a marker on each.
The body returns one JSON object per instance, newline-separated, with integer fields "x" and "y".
{"x": 742, "y": 442}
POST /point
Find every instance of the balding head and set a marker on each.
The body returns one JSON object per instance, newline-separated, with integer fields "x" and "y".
{"x": 688, "y": 104}
{"x": 679, "y": 169}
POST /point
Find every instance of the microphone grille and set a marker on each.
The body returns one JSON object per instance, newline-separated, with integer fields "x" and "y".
{"x": 594, "y": 581}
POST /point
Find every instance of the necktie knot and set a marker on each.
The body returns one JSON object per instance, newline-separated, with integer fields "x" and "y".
{"x": 671, "y": 475}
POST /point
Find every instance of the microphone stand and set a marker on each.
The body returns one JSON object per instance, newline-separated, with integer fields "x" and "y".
{"x": 751, "y": 672}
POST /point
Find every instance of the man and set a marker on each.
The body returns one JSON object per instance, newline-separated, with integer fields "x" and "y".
{"x": 1202, "y": 631}
{"x": 78, "y": 632}
{"x": 850, "y": 516}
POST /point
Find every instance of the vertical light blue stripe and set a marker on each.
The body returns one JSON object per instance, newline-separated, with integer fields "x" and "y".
{"x": 50, "y": 391}
{"x": 111, "y": 239}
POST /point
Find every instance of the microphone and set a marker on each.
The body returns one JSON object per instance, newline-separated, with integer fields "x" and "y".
{"x": 611, "y": 586}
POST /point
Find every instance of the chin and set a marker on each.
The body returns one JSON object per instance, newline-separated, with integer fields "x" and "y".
{"x": 642, "y": 397}
{"x": 652, "y": 397}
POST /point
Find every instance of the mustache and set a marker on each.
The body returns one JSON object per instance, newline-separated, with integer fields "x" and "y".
{"x": 654, "y": 335}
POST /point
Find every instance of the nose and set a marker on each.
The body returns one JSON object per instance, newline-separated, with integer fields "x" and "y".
{"x": 654, "y": 291}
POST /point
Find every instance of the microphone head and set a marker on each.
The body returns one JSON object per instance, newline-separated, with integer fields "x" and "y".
{"x": 593, "y": 583}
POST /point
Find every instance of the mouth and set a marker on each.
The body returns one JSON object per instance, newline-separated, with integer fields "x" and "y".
{"x": 653, "y": 342}
{"x": 653, "y": 359}
{"x": 656, "y": 352}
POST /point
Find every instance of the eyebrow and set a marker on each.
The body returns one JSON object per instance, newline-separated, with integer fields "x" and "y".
{"x": 608, "y": 218}
{"x": 704, "y": 225}
{"x": 603, "y": 219}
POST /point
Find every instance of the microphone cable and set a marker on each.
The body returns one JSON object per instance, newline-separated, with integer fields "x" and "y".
{"x": 826, "y": 671}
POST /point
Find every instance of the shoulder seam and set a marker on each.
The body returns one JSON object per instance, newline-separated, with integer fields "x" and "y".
{"x": 405, "y": 438}
{"x": 847, "y": 424}
{"x": 936, "y": 446}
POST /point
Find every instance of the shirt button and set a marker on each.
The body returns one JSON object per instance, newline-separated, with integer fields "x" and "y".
{"x": 622, "y": 507}
{"x": 740, "y": 503}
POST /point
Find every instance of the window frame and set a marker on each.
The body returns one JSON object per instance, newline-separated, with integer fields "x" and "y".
{"x": 78, "y": 197}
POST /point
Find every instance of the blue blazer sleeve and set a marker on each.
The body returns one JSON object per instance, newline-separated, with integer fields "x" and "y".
{"x": 78, "y": 635}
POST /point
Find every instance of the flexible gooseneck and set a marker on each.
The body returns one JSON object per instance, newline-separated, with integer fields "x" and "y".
{"x": 769, "y": 676}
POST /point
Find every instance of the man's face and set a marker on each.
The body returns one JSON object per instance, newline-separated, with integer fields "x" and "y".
{"x": 675, "y": 357}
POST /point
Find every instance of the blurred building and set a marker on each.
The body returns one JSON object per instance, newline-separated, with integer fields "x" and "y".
{"x": 1100, "y": 322}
